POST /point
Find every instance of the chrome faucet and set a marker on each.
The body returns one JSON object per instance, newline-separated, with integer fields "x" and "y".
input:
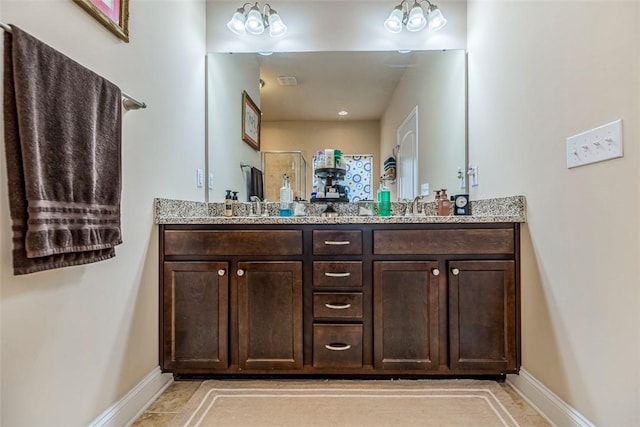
{"x": 414, "y": 205}
{"x": 258, "y": 205}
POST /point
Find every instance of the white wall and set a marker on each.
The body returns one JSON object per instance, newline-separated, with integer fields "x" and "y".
{"x": 441, "y": 124}
{"x": 75, "y": 340}
{"x": 227, "y": 76}
{"x": 538, "y": 73}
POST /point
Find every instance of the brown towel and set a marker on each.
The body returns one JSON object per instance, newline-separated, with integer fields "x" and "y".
{"x": 257, "y": 189}
{"x": 63, "y": 142}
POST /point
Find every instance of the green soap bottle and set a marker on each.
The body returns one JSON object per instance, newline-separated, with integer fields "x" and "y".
{"x": 384, "y": 199}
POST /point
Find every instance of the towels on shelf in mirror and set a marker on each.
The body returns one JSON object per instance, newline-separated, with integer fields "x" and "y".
{"x": 63, "y": 148}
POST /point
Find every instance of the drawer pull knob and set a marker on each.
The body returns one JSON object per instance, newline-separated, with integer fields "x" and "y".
{"x": 240, "y": 272}
{"x": 435, "y": 272}
{"x": 337, "y": 274}
{"x": 455, "y": 271}
{"x": 337, "y": 306}
{"x": 337, "y": 242}
{"x": 337, "y": 347}
{"x": 221, "y": 272}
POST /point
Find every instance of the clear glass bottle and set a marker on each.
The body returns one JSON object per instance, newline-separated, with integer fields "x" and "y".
{"x": 286, "y": 196}
{"x": 384, "y": 199}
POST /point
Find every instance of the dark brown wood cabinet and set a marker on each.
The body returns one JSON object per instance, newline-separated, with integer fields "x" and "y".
{"x": 406, "y": 315}
{"x": 348, "y": 300}
{"x": 270, "y": 315}
{"x": 482, "y": 309}
{"x": 195, "y": 316}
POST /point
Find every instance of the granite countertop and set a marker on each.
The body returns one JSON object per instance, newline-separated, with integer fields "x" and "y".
{"x": 502, "y": 209}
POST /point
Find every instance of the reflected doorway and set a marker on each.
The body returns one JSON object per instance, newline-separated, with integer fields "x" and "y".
{"x": 407, "y": 156}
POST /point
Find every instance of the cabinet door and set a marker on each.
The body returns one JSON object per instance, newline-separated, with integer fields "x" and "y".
{"x": 405, "y": 315}
{"x": 482, "y": 315}
{"x": 270, "y": 315}
{"x": 195, "y": 316}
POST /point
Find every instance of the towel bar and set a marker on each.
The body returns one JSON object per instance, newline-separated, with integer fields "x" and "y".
{"x": 128, "y": 101}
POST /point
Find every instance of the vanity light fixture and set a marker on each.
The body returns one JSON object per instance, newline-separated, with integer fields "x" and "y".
{"x": 413, "y": 17}
{"x": 254, "y": 22}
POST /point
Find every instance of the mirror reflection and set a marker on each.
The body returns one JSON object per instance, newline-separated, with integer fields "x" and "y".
{"x": 409, "y": 107}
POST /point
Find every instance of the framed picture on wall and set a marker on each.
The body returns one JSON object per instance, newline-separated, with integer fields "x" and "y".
{"x": 251, "y": 120}
{"x": 113, "y": 14}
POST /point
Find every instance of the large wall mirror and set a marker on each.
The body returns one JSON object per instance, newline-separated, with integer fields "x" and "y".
{"x": 391, "y": 99}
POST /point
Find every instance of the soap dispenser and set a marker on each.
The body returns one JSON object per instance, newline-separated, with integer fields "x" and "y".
{"x": 444, "y": 204}
{"x": 384, "y": 199}
{"x": 228, "y": 204}
{"x": 234, "y": 201}
{"x": 286, "y": 196}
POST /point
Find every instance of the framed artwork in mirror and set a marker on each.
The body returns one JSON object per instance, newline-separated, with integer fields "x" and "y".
{"x": 112, "y": 14}
{"x": 251, "y": 118}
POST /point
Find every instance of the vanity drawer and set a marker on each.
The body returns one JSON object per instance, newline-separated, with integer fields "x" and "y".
{"x": 337, "y": 346}
{"x": 233, "y": 242}
{"x": 467, "y": 241}
{"x": 337, "y": 274}
{"x": 337, "y": 306}
{"x": 337, "y": 242}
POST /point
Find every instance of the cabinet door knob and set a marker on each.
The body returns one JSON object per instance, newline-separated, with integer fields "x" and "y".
{"x": 435, "y": 272}
{"x": 455, "y": 271}
{"x": 222, "y": 272}
{"x": 240, "y": 272}
{"x": 337, "y": 347}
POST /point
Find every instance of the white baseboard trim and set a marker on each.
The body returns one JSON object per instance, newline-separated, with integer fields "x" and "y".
{"x": 125, "y": 411}
{"x": 546, "y": 402}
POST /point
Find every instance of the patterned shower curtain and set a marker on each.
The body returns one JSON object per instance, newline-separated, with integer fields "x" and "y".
{"x": 358, "y": 179}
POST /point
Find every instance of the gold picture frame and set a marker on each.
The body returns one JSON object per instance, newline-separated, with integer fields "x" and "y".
{"x": 112, "y": 14}
{"x": 251, "y": 121}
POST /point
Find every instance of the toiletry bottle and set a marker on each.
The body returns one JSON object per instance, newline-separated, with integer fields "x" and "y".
{"x": 234, "y": 201}
{"x": 328, "y": 158}
{"x": 444, "y": 204}
{"x": 319, "y": 163}
{"x": 384, "y": 199}
{"x": 337, "y": 158}
{"x": 286, "y": 197}
{"x": 228, "y": 207}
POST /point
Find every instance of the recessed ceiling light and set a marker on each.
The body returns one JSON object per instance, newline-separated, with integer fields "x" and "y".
{"x": 343, "y": 113}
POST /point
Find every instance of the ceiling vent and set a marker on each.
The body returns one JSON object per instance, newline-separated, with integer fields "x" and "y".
{"x": 287, "y": 81}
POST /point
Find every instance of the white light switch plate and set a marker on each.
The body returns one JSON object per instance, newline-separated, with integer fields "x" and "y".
{"x": 595, "y": 145}
{"x": 199, "y": 178}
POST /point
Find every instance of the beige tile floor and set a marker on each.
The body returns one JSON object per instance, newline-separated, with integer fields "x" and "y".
{"x": 168, "y": 404}
{"x": 172, "y": 400}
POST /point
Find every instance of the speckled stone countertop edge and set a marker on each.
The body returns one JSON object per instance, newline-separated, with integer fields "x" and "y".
{"x": 497, "y": 210}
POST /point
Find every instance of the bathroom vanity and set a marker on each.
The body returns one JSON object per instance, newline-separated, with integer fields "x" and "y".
{"x": 340, "y": 297}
